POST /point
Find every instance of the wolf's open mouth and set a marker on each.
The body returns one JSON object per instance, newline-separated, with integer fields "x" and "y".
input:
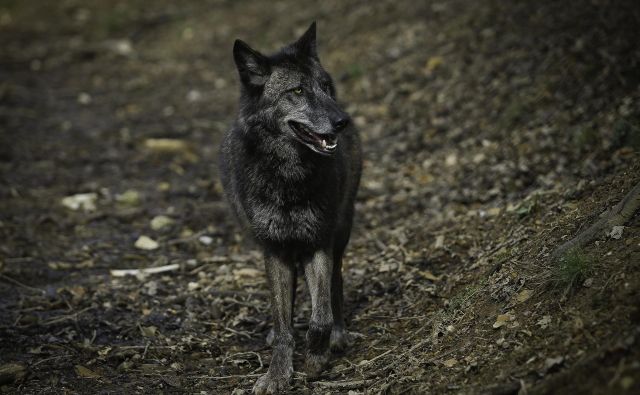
{"x": 323, "y": 143}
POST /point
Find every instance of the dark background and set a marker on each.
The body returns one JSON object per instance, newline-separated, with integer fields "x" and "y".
{"x": 493, "y": 131}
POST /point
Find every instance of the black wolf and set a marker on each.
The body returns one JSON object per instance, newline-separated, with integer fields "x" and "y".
{"x": 291, "y": 167}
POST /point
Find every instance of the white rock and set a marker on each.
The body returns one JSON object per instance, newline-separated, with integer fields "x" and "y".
{"x": 84, "y": 201}
{"x": 146, "y": 243}
{"x": 206, "y": 240}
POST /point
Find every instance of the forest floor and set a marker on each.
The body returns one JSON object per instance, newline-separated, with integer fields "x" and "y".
{"x": 493, "y": 131}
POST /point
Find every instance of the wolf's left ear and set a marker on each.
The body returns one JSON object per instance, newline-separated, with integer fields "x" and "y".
{"x": 253, "y": 67}
{"x": 307, "y": 43}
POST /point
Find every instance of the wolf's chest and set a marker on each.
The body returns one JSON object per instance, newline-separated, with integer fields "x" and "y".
{"x": 303, "y": 222}
{"x": 287, "y": 213}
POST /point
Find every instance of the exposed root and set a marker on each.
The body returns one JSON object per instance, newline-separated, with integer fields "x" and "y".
{"x": 619, "y": 215}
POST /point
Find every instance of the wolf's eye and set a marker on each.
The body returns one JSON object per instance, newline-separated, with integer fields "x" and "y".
{"x": 297, "y": 91}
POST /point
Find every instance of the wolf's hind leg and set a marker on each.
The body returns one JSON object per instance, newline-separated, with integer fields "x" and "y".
{"x": 318, "y": 273}
{"x": 281, "y": 276}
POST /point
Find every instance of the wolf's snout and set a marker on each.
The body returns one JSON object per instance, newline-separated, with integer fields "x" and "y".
{"x": 340, "y": 123}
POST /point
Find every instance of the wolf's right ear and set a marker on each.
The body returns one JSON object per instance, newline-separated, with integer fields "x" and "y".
{"x": 253, "y": 67}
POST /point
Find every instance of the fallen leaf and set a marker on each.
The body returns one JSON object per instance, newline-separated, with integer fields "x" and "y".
{"x": 494, "y": 211}
{"x": 104, "y": 351}
{"x": 160, "y": 222}
{"x": 146, "y": 243}
{"x": 616, "y": 232}
{"x": 439, "y": 242}
{"x": 148, "y": 331}
{"x": 86, "y": 372}
{"x": 166, "y": 145}
{"x": 502, "y": 320}
{"x": 524, "y": 295}
{"x": 433, "y": 63}
{"x": 544, "y": 322}
{"x": 429, "y": 276}
{"x": 451, "y": 362}
{"x": 246, "y": 272}
{"x": 129, "y": 197}
{"x": 553, "y": 363}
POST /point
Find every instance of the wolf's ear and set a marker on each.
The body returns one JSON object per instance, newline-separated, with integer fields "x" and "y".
{"x": 253, "y": 67}
{"x": 307, "y": 43}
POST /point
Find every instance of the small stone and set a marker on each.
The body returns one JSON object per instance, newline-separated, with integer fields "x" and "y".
{"x": 146, "y": 243}
{"x": 206, "y": 240}
{"x": 84, "y": 98}
{"x": 84, "y": 201}
{"x": 160, "y": 222}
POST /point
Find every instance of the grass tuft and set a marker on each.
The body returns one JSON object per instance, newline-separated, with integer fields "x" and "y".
{"x": 572, "y": 269}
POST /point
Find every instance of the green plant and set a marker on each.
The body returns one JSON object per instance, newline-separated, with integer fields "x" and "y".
{"x": 572, "y": 268}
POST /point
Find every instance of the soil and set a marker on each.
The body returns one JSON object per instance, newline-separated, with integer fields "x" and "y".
{"x": 493, "y": 131}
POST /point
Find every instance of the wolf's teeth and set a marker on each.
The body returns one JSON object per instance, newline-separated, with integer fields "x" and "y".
{"x": 324, "y": 143}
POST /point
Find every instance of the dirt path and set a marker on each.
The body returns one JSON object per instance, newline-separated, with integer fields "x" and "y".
{"x": 492, "y": 133}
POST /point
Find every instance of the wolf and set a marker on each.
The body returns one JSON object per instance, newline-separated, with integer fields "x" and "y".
{"x": 290, "y": 167}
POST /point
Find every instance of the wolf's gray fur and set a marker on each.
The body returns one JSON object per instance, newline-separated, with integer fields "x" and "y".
{"x": 291, "y": 167}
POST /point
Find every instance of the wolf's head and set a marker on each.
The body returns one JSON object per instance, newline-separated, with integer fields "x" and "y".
{"x": 293, "y": 94}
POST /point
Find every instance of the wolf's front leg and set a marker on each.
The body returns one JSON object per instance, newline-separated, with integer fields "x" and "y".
{"x": 281, "y": 276}
{"x": 318, "y": 272}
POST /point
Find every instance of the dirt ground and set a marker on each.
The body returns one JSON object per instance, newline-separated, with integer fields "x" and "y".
{"x": 493, "y": 131}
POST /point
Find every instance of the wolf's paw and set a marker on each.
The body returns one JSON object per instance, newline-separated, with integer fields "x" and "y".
{"x": 315, "y": 364}
{"x": 340, "y": 340}
{"x": 270, "y": 384}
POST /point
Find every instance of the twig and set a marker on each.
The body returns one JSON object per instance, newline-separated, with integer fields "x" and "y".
{"x": 146, "y": 349}
{"x": 148, "y": 270}
{"x": 18, "y": 283}
{"x": 49, "y": 359}
{"x": 65, "y": 317}
{"x": 188, "y": 239}
{"x": 343, "y": 385}
{"x": 259, "y": 294}
{"x": 233, "y": 376}
{"x": 245, "y": 334}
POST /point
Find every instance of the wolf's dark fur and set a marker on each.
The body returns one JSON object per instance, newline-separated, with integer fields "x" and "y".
{"x": 290, "y": 169}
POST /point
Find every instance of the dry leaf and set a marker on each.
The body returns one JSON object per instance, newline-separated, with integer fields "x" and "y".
{"x": 544, "y": 322}
{"x": 148, "y": 331}
{"x": 451, "y": 362}
{"x": 429, "y": 276}
{"x": 524, "y": 295}
{"x": 616, "y": 232}
{"x": 86, "y": 372}
{"x": 502, "y": 320}
{"x": 246, "y": 272}
{"x": 439, "y": 242}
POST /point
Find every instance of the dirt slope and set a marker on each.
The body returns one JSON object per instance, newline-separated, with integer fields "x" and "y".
{"x": 492, "y": 131}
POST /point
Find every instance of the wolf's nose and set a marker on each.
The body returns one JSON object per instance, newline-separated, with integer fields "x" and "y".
{"x": 340, "y": 123}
